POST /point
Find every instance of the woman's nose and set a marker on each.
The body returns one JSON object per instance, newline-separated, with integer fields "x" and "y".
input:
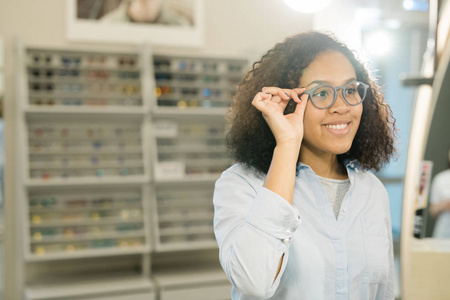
{"x": 340, "y": 105}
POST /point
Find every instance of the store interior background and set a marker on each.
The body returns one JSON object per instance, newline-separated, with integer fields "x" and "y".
{"x": 245, "y": 28}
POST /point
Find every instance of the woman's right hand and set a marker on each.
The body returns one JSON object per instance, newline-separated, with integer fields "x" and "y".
{"x": 271, "y": 102}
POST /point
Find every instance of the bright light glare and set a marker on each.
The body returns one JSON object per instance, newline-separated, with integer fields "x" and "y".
{"x": 378, "y": 43}
{"x": 307, "y": 6}
{"x": 408, "y": 5}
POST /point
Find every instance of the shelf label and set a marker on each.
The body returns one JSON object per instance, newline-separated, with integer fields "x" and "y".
{"x": 166, "y": 129}
{"x": 170, "y": 170}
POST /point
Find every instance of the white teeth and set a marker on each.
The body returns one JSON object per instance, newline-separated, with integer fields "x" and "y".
{"x": 340, "y": 126}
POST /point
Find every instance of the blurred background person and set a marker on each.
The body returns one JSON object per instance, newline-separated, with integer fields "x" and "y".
{"x": 440, "y": 202}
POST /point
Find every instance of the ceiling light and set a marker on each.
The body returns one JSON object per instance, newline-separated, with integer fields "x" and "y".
{"x": 378, "y": 43}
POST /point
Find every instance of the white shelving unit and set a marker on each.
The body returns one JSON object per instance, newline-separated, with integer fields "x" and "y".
{"x": 85, "y": 176}
{"x": 118, "y": 154}
{"x": 192, "y": 97}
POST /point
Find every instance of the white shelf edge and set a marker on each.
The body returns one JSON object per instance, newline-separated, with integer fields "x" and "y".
{"x": 126, "y": 180}
{"x": 87, "y": 253}
{"x": 189, "y": 179}
{"x": 186, "y": 246}
{"x": 197, "y": 112}
{"x": 92, "y": 110}
{"x": 88, "y": 286}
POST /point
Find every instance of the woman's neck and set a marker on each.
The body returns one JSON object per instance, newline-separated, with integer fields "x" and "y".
{"x": 325, "y": 165}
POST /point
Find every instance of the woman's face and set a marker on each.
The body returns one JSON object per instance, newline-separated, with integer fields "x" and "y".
{"x": 330, "y": 130}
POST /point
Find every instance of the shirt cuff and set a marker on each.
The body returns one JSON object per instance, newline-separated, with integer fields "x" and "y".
{"x": 272, "y": 214}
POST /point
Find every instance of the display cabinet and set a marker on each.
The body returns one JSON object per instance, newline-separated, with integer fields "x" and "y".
{"x": 118, "y": 153}
{"x": 191, "y": 98}
{"x": 84, "y": 176}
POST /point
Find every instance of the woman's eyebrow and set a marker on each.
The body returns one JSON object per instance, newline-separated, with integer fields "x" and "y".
{"x": 326, "y": 82}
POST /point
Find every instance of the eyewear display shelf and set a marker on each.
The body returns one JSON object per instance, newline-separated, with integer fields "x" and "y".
{"x": 85, "y": 174}
{"x": 119, "y": 152}
{"x": 192, "y": 95}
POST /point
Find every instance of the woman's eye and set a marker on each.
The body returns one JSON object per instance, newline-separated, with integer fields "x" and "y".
{"x": 350, "y": 91}
{"x": 320, "y": 94}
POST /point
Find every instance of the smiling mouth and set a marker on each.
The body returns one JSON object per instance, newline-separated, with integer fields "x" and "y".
{"x": 338, "y": 126}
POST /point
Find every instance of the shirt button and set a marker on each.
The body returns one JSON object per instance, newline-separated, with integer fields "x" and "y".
{"x": 344, "y": 210}
{"x": 287, "y": 231}
{"x": 286, "y": 241}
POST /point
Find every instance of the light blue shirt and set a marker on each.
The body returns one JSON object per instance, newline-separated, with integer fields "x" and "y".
{"x": 324, "y": 258}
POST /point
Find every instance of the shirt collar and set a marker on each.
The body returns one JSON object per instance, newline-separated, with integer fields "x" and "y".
{"x": 351, "y": 165}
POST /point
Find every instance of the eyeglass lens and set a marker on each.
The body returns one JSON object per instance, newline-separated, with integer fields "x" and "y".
{"x": 324, "y": 95}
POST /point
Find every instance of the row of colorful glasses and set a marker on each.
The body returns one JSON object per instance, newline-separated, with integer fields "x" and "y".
{"x": 165, "y": 90}
{"x": 63, "y": 73}
{"x": 198, "y": 65}
{"x": 129, "y": 101}
{"x": 73, "y": 232}
{"x": 37, "y": 58}
{"x": 82, "y": 202}
{"x": 83, "y": 131}
{"x": 45, "y": 218}
{"x": 46, "y": 174}
{"x": 65, "y": 88}
{"x": 52, "y": 248}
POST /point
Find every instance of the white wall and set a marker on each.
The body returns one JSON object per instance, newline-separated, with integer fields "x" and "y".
{"x": 235, "y": 27}
{"x": 232, "y": 26}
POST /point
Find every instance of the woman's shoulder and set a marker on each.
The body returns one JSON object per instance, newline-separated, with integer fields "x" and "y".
{"x": 240, "y": 171}
{"x": 366, "y": 177}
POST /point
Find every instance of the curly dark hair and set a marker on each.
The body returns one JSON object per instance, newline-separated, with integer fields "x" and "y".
{"x": 249, "y": 138}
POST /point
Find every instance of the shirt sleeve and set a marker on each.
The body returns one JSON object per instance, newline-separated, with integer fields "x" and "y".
{"x": 253, "y": 227}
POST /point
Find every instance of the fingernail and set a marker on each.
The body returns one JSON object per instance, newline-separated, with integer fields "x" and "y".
{"x": 286, "y": 94}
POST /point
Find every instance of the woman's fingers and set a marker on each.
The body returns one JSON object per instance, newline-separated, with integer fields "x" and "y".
{"x": 258, "y": 100}
{"x": 277, "y": 95}
{"x": 293, "y": 94}
{"x": 301, "y": 105}
{"x": 276, "y": 91}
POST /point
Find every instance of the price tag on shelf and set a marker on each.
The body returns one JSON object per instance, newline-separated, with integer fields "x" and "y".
{"x": 170, "y": 170}
{"x": 166, "y": 129}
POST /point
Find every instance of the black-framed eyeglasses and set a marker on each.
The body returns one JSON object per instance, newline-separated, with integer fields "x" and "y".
{"x": 324, "y": 95}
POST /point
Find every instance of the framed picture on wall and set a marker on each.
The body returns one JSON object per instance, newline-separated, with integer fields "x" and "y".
{"x": 159, "y": 22}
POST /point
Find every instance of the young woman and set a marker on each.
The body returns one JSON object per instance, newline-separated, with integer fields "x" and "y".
{"x": 299, "y": 216}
